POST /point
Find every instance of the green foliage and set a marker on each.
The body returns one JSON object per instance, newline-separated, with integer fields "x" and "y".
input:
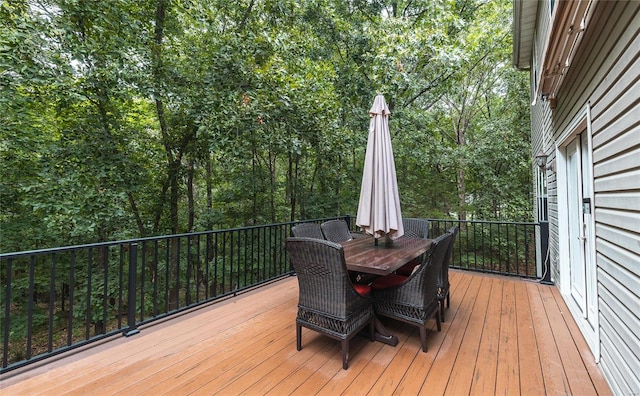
{"x": 137, "y": 118}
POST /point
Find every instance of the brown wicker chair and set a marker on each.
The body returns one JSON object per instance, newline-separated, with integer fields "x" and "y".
{"x": 443, "y": 279}
{"x": 336, "y": 231}
{"x": 309, "y": 230}
{"x": 328, "y": 302}
{"x": 414, "y": 228}
{"x": 415, "y": 299}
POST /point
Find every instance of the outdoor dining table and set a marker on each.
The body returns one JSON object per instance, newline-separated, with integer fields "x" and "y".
{"x": 363, "y": 255}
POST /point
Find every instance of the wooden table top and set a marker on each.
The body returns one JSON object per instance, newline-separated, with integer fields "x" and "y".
{"x": 362, "y": 255}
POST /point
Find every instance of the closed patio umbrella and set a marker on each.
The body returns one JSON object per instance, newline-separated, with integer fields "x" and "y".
{"x": 379, "y": 208}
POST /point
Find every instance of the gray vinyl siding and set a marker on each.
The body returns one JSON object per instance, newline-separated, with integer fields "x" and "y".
{"x": 541, "y": 130}
{"x": 606, "y": 75}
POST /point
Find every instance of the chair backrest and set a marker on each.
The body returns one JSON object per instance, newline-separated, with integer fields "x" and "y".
{"x": 443, "y": 279}
{"x": 416, "y": 228}
{"x": 434, "y": 264}
{"x": 421, "y": 287}
{"x": 336, "y": 231}
{"x": 436, "y": 254}
{"x": 323, "y": 279}
{"x": 309, "y": 230}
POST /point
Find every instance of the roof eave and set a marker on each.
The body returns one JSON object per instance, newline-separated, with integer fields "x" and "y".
{"x": 524, "y": 18}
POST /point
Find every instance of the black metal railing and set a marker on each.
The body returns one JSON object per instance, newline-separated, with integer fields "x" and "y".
{"x": 55, "y": 300}
{"x": 506, "y": 248}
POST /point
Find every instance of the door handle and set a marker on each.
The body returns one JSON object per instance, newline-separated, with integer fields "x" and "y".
{"x": 583, "y": 234}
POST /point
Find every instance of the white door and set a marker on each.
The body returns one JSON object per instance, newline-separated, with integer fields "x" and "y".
{"x": 577, "y": 269}
{"x": 576, "y": 227}
{"x": 581, "y": 234}
{"x": 588, "y": 233}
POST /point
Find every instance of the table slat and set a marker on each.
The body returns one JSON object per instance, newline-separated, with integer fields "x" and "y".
{"x": 362, "y": 255}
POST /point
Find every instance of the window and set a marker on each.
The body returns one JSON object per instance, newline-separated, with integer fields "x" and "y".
{"x": 541, "y": 194}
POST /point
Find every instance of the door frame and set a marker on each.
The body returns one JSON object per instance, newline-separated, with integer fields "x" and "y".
{"x": 590, "y": 328}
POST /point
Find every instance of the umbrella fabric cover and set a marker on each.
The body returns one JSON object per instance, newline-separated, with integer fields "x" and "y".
{"x": 379, "y": 208}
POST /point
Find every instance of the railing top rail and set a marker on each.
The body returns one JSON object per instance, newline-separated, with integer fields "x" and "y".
{"x": 5, "y": 256}
{"x": 524, "y": 223}
{"x": 10, "y": 255}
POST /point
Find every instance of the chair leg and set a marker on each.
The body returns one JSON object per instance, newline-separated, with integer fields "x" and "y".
{"x": 423, "y": 338}
{"x": 372, "y": 330}
{"x": 442, "y": 310}
{"x": 345, "y": 354}
{"x": 438, "y": 321}
{"x": 298, "y": 336}
{"x": 448, "y": 299}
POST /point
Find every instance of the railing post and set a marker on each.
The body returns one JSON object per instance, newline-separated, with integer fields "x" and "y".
{"x": 131, "y": 328}
{"x": 544, "y": 253}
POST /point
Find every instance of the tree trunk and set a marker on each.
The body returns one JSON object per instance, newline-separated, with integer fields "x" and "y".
{"x": 173, "y": 165}
{"x": 254, "y": 192}
{"x": 136, "y": 214}
{"x": 158, "y": 75}
{"x": 209, "y": 208}
{"x": 462, "y": 195}
{"x": 209, "y": 191}
{"x": 462, "y": 185}
{"x": 291, "y": 189}
{"x": 272, "y": 185}
{"x": 190, "y": 197}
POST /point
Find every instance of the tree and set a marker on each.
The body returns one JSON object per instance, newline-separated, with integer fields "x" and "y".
{"x": 140, "y": 118}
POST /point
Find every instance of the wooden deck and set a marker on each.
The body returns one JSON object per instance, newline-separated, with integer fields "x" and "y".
{"x": 501, "y": 336}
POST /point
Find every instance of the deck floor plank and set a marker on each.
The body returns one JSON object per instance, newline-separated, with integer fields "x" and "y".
{"x": 142, "y": 360}
{"x": 221, "y": 369}
{"x": 237, "y": 380}
{"x": 289, "y": 364}
{"x": 388, "y": 381}
{"x": 293, "y": 381}
{"x": 461, "y": 375}
{"x": 378, "y": 364}
{"x": 582, "y": 354}
{"x": 484, "y": 377}
{"x": 574, "y": 370}
{"x": 199, "y": 362}
{"x": 555, "y": 381}
{"x": 508, "y": 374}
{"x": 531, "y": 378}
{"x": 438, "y": 377}
{"x": 412, "y": 380}
{"x": 595, "y": 375}
{"x": 502, "y": 335}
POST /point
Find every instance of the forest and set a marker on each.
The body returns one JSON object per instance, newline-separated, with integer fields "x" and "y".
{"x": 135, "y": 118}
